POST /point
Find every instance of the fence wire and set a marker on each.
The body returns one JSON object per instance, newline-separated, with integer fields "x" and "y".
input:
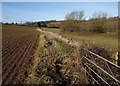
{"x": 101, "y": 70}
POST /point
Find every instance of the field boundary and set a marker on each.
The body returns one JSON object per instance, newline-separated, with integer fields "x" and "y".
{"x": 110, "y": 75}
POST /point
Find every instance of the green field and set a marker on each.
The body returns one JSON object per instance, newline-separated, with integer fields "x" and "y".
{"x": 107, "y": 40}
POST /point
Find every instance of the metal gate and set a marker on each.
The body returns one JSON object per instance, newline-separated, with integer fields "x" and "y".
{"x": 100, "y": 70}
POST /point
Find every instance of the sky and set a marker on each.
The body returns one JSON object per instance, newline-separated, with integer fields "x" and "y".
{"x": 60, "y": 0}
{"x": 41, "y": 11}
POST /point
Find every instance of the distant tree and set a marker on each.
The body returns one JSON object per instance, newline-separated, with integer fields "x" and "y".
{"x": 6, "y": 23}
{"x": 73, "y": 20}
{"x": 27, "y": 23}
{"x": 44, "y": 23}
{"x": 38, "y": 24}
{"x": 35, "y": 24}
{"x": 75, "y": 15}
{"x": 100, "y": 14}
{"x": 12, "y": 23}
{"x": 98, "y": 22}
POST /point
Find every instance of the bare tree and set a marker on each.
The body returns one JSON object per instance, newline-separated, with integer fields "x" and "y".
{"x": 99, "y": 21}
{"x": 72, "y": 22}
{"x": 100, "y": 15}
{"x": 75, "y": 15}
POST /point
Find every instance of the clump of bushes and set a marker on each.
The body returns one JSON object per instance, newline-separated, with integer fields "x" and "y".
{"x": 99, "y": 23}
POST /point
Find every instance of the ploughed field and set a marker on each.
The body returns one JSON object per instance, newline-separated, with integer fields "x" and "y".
{"x": 18, "y": 48}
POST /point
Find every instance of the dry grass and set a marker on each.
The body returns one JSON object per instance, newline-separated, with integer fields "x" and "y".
{"x": 57, "y": 65}
{"x": 106, "y": 40}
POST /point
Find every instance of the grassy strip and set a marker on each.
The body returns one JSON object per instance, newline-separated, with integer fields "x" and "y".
{"x": 32, "y": 79}
{"x": 106, "y": 40}
{"x": 65, "y": 48}
{"x": 54, "y": 30}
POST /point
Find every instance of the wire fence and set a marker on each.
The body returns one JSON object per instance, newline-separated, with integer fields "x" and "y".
{"x": 100, "y": 70}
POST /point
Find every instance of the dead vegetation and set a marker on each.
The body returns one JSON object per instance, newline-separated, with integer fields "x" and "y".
{"x": 60, "y": 63}
{"x": 56, "y": 66}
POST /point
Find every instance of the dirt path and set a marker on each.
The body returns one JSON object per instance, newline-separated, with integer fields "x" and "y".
{"x": 31, "y": 77}
{"x": 66, "y": 40}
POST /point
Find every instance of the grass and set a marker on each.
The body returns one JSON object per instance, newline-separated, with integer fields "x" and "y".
{"x": 53, "y": 30}
{"x": 65, "y": 48}
{"x": 60, "y": 45}
{"x": 107, "y": 40}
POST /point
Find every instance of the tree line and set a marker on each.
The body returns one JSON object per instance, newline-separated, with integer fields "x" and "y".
{"x": 75, "y": 21}
{"x": 100, "y": 22}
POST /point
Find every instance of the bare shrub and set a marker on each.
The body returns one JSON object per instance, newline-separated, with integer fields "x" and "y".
{"x": 99, "y": 23}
